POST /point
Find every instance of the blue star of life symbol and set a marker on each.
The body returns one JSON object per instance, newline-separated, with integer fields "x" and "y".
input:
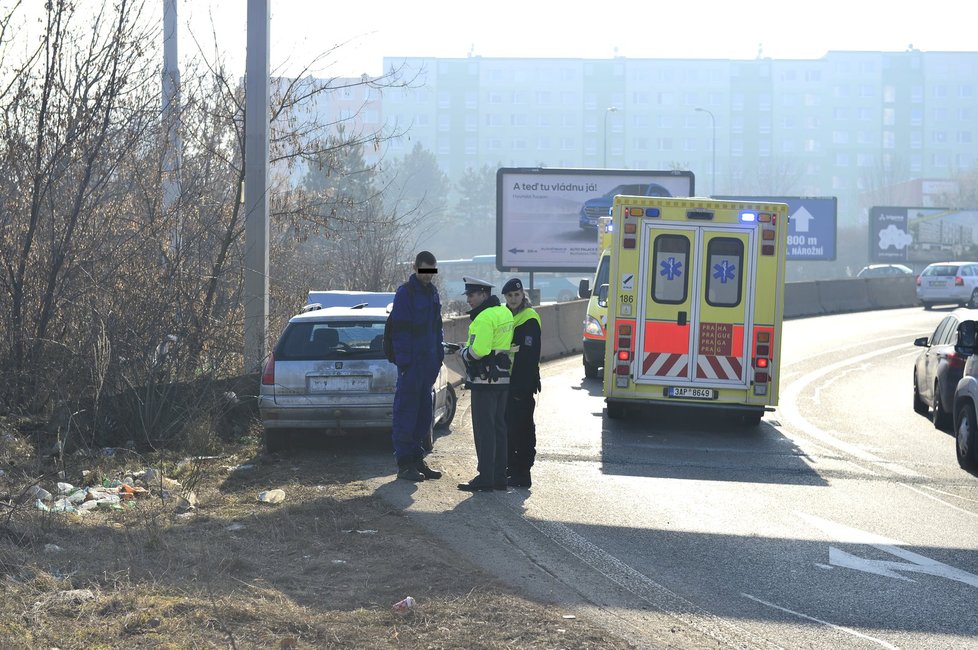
{"x": 724, "y": 271}
{"x": 671, "y": 268}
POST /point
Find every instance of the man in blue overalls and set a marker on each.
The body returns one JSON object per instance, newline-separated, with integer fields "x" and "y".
{"x": 418, "y": 354}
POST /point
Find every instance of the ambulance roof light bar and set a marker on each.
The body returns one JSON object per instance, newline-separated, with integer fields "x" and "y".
{"x": 748, "y": 217}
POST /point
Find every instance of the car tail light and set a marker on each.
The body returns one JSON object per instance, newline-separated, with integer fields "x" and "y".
{"x": 958, "y": 281}
{"x": 268, "y": 375}
{"x": 955, "y": 361}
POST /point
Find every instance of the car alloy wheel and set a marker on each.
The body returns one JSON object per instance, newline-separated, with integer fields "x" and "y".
{"x": 966, "y": 437}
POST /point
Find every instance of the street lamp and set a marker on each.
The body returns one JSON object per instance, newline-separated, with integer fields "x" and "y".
{"x": 610, "y": 109}
{"x": 713, "y": 171}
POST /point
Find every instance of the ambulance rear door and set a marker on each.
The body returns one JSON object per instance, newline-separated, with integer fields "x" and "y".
{"x": 697, "y": 303}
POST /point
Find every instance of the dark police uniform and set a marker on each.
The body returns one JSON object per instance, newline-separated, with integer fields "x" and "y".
{"x": 524, "y": 382}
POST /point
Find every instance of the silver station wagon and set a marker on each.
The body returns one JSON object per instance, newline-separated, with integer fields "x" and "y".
{"x": 945, "y": 283}
{"x": 328, "y": 372}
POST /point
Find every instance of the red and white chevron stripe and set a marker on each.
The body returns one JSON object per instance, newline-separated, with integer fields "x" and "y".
{"x": 665, "y": 364}
{"x": 712, "y": 367}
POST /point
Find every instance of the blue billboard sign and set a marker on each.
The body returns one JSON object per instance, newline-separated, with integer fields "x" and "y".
{"x": 811, "y": 224}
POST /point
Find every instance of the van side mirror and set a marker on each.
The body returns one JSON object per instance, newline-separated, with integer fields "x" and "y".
{"x": 584, "y": 289}
{"x": 603, "y": 295}
{"x": 966, "y": 338}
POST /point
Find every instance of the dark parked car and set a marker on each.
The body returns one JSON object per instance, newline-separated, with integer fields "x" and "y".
{"x": 966, "y": 400}
{"x": 939, "y": 368}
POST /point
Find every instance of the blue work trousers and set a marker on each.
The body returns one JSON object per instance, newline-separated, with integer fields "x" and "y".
{"x": 412, "y": 411}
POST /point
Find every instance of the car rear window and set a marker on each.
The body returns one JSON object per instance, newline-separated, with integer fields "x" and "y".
{"x": 361, "y": 339}
{"x": 941, "y": 270}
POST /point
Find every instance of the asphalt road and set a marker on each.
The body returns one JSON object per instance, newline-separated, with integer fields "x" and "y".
{"x": 842, "y": 521}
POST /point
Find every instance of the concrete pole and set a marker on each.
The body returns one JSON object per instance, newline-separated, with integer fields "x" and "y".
{"x": 172, "y": 159}
{"x": 256, "y": 186}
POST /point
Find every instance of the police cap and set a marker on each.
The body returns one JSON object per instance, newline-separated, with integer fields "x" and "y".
{"x": 473, "y": 285}
{"x": 513, "y": 284}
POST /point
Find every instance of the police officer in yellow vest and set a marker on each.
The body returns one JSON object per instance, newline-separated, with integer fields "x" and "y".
{"x": 487, "y": 363}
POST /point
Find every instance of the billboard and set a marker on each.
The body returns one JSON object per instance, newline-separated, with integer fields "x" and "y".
{"x": 922, "y": 235}
{"x": 546, "y": 218}
{"x": 812, "y": 224}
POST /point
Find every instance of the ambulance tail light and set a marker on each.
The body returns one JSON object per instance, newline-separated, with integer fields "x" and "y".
{"x": 761, "y": 362}
{"x": 624, "y": 355}
{"x": 621, "y": 370}
{"x": 761, "y": 378}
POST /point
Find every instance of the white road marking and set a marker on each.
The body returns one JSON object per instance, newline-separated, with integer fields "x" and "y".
{"x": 950, "y": 494}
{"x": 643, "y": 587}
{"x": 939, "y": 500}
{"x": 789, "y": 410}
{"x": 818, "y": 620}
{"x": 916, "y": 563}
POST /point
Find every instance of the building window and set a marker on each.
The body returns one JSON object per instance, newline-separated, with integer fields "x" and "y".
{"x": 567, "y": 144}
{"x": 889, "y": 116}
{"x": 840, "y": 137}
{"x": 939, "y": 159}
{"x": 641, "y": 144}
{"x": 916, "y": 94}
{"x": 841, "y": 160}
{"x": 495, "y": 97}
{"x": 964, "y": 137}
{"x": 864, "y": 160}
{"x": 916, "y": 140}
{"x": 889, "y": 140}
{"x": 889, "y": 94}
{"x": 664, "y": 144}
{"x": 444, "y": 100}
{"x": 840, "y": 113}
{"x": 939, "y": 136}
{"x": 916, "y": 163}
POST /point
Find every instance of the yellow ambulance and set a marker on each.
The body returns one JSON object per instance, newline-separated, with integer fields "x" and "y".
{"x": 596, "y": 318}
{"x": 695, "y": 304}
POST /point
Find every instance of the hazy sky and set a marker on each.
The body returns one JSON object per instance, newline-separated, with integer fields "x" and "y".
{"x": 367, "y": 31}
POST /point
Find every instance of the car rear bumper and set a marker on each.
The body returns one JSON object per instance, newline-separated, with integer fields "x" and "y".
{"x": 337, "y": 416}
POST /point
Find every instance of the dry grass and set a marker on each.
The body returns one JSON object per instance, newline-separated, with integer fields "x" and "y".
{"x": 243, "y": 574}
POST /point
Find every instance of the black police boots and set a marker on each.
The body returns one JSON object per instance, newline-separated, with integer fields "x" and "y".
{"x": 423, "y": 468}
{"x": 407, "y": 469}
{"x": 519, "y": 479}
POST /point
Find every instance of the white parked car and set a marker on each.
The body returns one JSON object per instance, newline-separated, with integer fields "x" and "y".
{"x": 949, "y": 283}
{"x": 328, "y": 372}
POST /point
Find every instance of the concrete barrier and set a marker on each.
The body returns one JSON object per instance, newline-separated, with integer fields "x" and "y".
{"x": 801, "y": 299}
{"x": 886, "y": 293}
{"x": 838, "y": 296}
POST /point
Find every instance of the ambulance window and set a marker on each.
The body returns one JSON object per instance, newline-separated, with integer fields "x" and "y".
{"x": 671, "y": 254}
{"x": 725, "y": 271}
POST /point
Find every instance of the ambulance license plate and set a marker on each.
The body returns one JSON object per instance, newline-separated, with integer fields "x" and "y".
{"x": 692, "y": 393}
